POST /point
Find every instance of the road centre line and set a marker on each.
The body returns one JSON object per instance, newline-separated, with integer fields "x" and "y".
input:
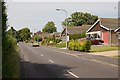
{"x": 41, "y": 55}
{"x": 51, "y": 61}
{"x": 93, "y": 60}
{"x": 73, "y": 74}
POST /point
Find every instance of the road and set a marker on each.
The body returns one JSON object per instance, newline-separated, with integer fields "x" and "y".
{"x": 48, "y": 62}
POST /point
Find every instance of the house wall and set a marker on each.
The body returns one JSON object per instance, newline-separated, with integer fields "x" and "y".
{"x": 113, "y": 37}
{"x": 104, "y": 33}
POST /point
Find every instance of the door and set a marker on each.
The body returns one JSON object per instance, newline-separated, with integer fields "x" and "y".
{"x": 105, "y": 37}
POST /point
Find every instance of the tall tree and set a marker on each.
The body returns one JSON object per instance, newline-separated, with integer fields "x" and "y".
{"x": 9, "y": 54}
{"x": 24, "y": 34}
{"x": 49, "y": 27}
{"x": 80, "y": 18}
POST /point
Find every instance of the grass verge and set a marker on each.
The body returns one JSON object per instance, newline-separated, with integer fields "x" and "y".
{"x": 102, "y": 48}
{"x": 60, "y": 45}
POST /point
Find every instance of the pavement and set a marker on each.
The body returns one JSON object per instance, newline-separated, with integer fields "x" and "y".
{"x": 48, "y": 62}
{"x": 106, "y": 53}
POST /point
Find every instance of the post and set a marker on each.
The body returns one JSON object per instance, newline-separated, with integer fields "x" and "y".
{"x": 65, "y": 25}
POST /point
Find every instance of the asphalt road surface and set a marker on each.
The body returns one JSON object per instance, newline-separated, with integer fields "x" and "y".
{"x": 48, "y": 62}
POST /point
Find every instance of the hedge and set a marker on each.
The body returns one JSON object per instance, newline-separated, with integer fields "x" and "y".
{"x": 76, "y": 36}
{"x": 78, "y": 45}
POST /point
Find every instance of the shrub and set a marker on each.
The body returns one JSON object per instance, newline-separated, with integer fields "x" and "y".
{"x": 37, "y": 38}
{"x": 49, "y": 40}
{"x": 76, "y": 36}
{"x": 77, "y": 45}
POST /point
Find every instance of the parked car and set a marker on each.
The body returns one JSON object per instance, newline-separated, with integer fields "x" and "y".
{"x": 35, "y": 44}
{"x": 95, "y": 41}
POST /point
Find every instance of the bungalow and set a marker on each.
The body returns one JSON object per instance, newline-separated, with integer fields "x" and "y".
{"x": 74, "y": 30}
{"x": 109, "y": 33}
{"x": 44, "y": 34}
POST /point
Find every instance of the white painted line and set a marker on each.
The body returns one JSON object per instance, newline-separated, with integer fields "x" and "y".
{"x": 41, "y": 55}
{"x": 51, "y": 61}
{"x": 93, "y": 60}
{"x": 73, "y": 74}
{"x": 104, "y": 62}
{"x": 97, "y": 61}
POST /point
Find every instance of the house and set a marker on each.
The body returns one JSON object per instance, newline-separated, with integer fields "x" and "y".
{"x": 106, "y": 29}
{"x": 56, "y": 34}
{"x": 74, "y": 30}
{"x": 44, "y": 34}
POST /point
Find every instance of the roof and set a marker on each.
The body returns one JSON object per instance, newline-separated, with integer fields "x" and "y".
{"x": 76, "y": 29}
{"x": 98, "y": 21}
{"x": 117, "y": 29}
{"x": 111, "y": 23}
{"x": 56, "y": 33}
{"x": 107, "y": 23}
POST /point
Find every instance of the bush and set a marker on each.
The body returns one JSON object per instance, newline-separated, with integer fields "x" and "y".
{"x": 49, "y": 40}
{"x": 77, "y": 45}
{"x": 76, "y": 36}
{"x": 37, "y": 38}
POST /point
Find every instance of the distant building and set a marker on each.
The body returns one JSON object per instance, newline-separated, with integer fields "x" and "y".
{"x": 74, "y": 30}
{"x": 56, "y": 34}
{"x": 44, "y": 34}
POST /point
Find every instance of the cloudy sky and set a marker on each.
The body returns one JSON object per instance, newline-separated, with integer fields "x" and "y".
{"x": 35, "y": 15}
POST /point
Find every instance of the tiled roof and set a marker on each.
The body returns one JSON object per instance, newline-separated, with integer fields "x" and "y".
{"x": 77, "y": 29}
{"x": 111, "y": 23}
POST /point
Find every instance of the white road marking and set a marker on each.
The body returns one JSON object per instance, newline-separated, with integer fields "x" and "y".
{"x": 41, "y": 55}
{"x": 93, "y": 60}
{"x": 104, "y": 62}
{"x": 73, "y": 74}
{"x": 97, "y": 61}
{"x": 51, "y": 61}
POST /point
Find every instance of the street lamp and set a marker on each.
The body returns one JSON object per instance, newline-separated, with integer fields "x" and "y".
{"x": 66, "y": 22}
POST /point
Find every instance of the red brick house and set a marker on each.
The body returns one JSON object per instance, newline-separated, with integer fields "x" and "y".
{"x": 106, "y": 30}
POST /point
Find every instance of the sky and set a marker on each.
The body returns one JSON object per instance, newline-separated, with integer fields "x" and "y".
{"x": 35, "y": 15}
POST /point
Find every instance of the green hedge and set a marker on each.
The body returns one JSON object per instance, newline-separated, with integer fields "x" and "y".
{"x": 77, "y": 36}
{"x": 78, "y": 45}
{"x": 48, "y": 40}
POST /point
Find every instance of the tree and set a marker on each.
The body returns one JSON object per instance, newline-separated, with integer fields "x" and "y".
{"x": 37, "y": 38}
{"x": 24, "y": 34}
{"x": 12, "y": 32}
{"x": 49, "y": 27}
{"x": 10, "y": 58}
{"x": 80, "y": 18}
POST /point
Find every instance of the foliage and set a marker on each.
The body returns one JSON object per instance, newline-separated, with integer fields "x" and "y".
{"x": 77, "y": 45}
{"x": 48, "y": 40}
{"x": 10, "y": 58}
{"x": 49, "y": 27}
{"x": 80, "y": 18}
{"x": 12, "y": 32}
{"x": 24, "y": 34}
{"x": 37, "y": 38}
{"x": 76, "y": 36}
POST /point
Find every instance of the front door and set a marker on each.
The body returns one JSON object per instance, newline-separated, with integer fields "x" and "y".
{"x": 105, "y": 37}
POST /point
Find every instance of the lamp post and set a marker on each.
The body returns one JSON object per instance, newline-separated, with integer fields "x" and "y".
{"x": 66, "y": 22}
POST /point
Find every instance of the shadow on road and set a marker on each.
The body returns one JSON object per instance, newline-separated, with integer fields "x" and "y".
{"x": 35, "y": 70}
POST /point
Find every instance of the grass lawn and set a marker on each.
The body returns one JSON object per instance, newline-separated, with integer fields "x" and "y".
{"x": 102, "y": 48}
{"x": 60, "y": 45}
